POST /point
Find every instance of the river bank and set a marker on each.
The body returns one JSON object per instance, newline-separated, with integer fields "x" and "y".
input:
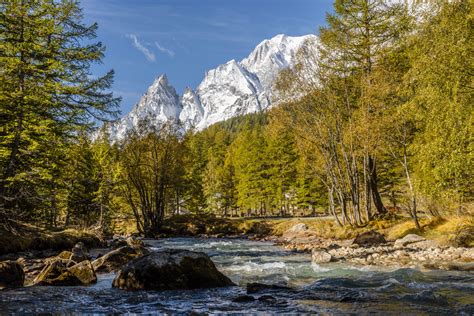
{"x": 41, "y": 242}
{"x": 372, "y": 249}
{"x": 443, "y": 243}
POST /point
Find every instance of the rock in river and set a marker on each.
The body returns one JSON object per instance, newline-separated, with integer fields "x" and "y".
{"x": 170, "y": 269}
{"x": 11, "y": 274}
{"x": 56, "y": 273}
{"x": 79, "y": 253}
{"x": 253, "y": 288}
{"x": 117, "y": 258}
{"x": 320, "y": 256}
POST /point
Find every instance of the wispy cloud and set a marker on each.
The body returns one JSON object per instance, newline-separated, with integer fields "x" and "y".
{"x": 165, "y": 50}
{"x": 150, "y": 56}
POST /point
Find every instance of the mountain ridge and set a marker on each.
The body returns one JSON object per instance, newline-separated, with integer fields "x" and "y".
{"x": 231, "y": 89}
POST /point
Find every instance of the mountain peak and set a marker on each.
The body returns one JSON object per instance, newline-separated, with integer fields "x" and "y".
{"x": 231, "y": 89}
{"x": 160, "y": 81}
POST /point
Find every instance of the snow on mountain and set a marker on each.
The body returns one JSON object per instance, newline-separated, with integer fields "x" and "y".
{"x": 232, "y": 89}
{"x": 158, "y": 105}
{"x": 192, "y": 111}
{"x": 271, "y": 56}
{"x": 228, "y": 91}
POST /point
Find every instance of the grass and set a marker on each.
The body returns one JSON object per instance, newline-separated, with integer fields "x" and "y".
{"x": 446, "y": 231}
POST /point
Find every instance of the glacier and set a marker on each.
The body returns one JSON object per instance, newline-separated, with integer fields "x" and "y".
{"x": 232, "y": 89}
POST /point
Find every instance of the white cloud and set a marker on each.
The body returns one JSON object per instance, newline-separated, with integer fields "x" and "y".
{"x": 150, "y": 56}
{"x": 165, "y": 50}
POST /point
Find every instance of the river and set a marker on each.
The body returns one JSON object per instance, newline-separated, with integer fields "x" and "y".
{"x": 325, "y": 289}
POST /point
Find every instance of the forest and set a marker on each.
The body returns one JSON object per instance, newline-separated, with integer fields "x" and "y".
{"x": 376, "y": 119}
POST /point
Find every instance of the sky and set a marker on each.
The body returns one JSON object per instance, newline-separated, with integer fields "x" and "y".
{"x": 185, "y": 38}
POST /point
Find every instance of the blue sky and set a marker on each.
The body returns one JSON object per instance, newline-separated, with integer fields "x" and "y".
{"x": 185, "y": 38}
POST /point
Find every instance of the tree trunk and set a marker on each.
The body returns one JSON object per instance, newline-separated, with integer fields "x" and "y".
{"x": 372, "y": 168}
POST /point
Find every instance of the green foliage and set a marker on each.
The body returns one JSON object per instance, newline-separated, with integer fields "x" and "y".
{"x": 441, "y": 79}
{"x": 386, "y": 119}
{"x": 152, "y": 176}
{"x": 46, "y": 94}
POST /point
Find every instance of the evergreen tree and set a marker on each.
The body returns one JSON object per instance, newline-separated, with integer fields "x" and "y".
{"x": 282, "y": 157}
{"x": 441, "y": 79}
{"x": 46, "y": 91}
{"x": 357, "y": 35}
{"x": 252, "y": 171}
{"x": 83, "y": 185}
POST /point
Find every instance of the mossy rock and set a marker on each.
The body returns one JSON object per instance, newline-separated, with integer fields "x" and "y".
{"x": 84, "y": 272}
{"x": 11, "y": 274}
{"x": 170, "y": 269}
{"x": 65, "y": 255}
{"x": 117, "y": 258}
{"x": 56, "y": 273}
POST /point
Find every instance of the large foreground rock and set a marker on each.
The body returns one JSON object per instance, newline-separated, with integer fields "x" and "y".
{"x": 11, "y": 274}
{"x": 370, "y": 238}
{"x": 170, "y": 269}
{"x": 114, "y": 260}
{"x": 56, "y": 273}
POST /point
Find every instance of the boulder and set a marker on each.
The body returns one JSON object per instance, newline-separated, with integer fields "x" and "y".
{"x": 459, "y": 266}
{"x": 56, "y": 273}
{"x": 369, "y": 238}
{"x": 297, "y": 228}
{"x": 243, "y": 299}
{"x": 267, "y": 299}
{"x": 408, "y": 239}
{"x": 134, "y": 242}
{"x": 253, "y": 288}
{"x": 84, "y": 272}
{"x": 11, "y": 274}
{"x": 79, "y": 253}
{"x": 170, "y": 269}
{"x": 117, "y": 258}
{"x": 117, "y": 242}
{"x": 320, "y": 256}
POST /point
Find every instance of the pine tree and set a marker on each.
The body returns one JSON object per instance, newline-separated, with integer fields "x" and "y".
{"x": 195, "y": 162}
{"x": 252, "y": 171}
{"x": 442, "y": 62}
{"x": 282, "y": 157}
{"x": 82, "y": 184}
{"x": 46, "y": 91}
{"x": 107, "y": 172}
{"x": 357, "y": 35}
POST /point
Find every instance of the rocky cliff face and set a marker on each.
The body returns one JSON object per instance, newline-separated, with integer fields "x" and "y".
{"x": 231, "y": 89}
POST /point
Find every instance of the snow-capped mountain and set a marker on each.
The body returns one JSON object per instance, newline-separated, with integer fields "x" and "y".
{"x": 231, "y": 89}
